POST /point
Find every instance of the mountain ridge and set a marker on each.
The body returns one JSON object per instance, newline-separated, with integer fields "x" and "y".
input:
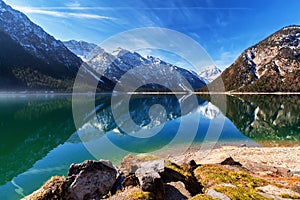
{"x": 271, "y": 65}
{"x": 115, "y": 64}
{"x": 87, "y": 51}
{"x": 34, "y": 39}
{"x": 31, "y": 59}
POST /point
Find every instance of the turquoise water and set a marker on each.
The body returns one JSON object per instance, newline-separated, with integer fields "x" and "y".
{"x": 39, "y": 138}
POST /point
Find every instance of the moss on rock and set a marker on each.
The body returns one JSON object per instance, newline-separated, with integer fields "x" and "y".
{"x": 202, "y": 197}
{"x": 210, "y": 175}
{"x": 237, "y": 193}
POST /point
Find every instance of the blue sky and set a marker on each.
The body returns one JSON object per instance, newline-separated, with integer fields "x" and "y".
{"x": 223, "y": 28}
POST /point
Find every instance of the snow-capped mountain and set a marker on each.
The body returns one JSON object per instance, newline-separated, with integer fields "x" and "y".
{"x": 83, "y": 49}
{"x": 210, "y": 73}
{"x": 114, "y": 65}
{"x": 272, "y": 65}
{"x": 34, "y": 39}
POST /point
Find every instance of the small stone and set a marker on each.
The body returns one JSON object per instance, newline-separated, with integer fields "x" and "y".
{"x": 130, "y": 180}
{"x": 213, "y": 193}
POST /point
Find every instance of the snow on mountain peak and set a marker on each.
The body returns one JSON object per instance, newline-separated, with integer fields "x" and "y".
{"x": 120, "y": 52}
{"x": 210, "y": 73}
{"x": 84, "y": 50}
{"x": 114, "y": 65}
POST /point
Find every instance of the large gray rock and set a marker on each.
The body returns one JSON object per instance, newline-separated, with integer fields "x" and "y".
{"x": 149, "y": 178}
{"x": 90, "y": 179}
{"x": 131, "y": 163}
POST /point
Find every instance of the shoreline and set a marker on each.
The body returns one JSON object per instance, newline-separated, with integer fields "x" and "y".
{"x": 285, "y": 157}
{"x": 231, "y": 171}
{"x": 144, "y": 93}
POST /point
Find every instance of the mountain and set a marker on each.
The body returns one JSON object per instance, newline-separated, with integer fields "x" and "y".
{"x": 83, "y": 49}
{"x": 272, "y": 65}
{"x": 114, "y": 65}
{"x": 146, "y": 70}
{"x": 31, "y": 59}
{"x": 210, "y": 73}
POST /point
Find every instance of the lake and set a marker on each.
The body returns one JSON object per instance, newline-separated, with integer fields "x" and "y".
{"x": 39, "y": 138}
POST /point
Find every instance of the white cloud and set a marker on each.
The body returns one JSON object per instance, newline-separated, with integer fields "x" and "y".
{"x": 61, "y": 14}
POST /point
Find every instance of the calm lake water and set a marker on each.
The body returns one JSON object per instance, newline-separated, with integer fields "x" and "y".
{"x": 39, "y": 138}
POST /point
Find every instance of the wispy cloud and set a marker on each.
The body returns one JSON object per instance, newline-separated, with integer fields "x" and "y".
{"x": 226, "y": 59}
{"x": 77, "y": 6}
{"x": 54, "y": 13}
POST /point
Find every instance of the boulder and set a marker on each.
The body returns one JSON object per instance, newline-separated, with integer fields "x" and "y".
{"x": 152, "y": 182}
{"x": 176, "y": 190}
{"x": 149, "y": 178}
{"x": 175, "y": 173}
{"x": 192, "y": 165}
{"x": 90, "y": 179}
{"x": 230, "y": 161}
{"x": 131, "y": 163}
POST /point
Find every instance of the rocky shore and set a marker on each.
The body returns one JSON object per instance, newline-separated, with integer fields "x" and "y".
{"x": 226, "y": 173}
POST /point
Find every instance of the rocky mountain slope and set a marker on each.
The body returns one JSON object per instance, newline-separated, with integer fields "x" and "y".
{"x": 30, "y": 57}
{"x": 272, "y": 65}
{"x": 19, "y": 70}
{"x": 83, "y": 49}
